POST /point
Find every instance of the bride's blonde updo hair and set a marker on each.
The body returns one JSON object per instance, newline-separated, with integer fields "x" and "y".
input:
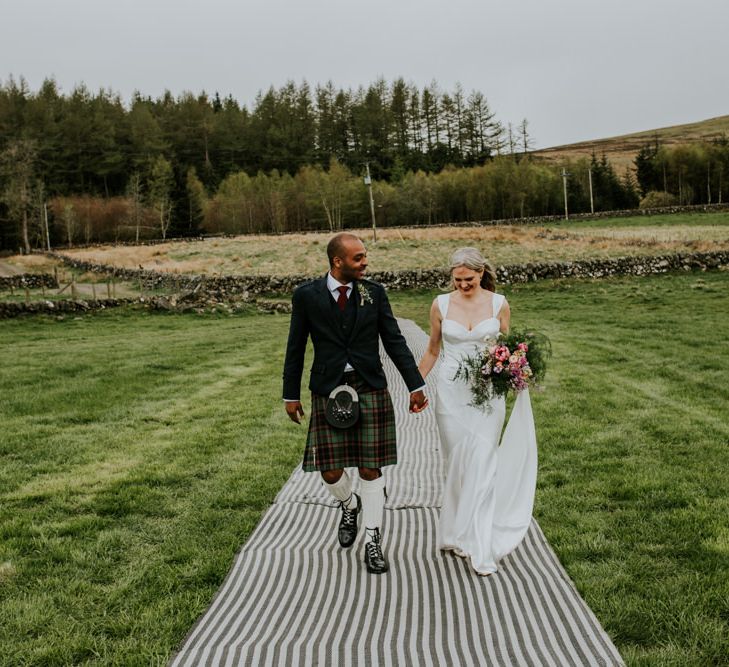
{"x": 472, "y": 259}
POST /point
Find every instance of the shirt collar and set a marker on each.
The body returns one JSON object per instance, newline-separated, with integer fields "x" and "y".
{"x": 333, "y": 283}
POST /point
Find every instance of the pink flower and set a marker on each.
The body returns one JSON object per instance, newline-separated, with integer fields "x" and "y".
{"x": 502, "y": 353}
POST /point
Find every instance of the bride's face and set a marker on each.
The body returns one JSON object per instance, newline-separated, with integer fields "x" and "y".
{"x": 467, "y": 281}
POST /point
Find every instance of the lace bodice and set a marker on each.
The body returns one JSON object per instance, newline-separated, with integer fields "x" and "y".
{"x": 459, "y": 341}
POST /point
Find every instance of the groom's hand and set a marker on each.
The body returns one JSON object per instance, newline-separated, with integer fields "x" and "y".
{"x": 294, "y": 410}
{"x": 418, "y": 401}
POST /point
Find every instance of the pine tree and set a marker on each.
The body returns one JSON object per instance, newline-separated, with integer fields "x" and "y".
{"x": 645, "y": 168}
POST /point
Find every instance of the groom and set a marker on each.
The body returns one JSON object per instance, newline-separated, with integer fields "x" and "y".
{"x": 346, "y": 315}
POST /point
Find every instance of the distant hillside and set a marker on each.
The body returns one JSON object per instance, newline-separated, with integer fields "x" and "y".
{"x": 622, "y": 150}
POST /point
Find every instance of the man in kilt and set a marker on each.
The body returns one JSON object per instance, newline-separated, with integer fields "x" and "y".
{"x": 346, "y": 316}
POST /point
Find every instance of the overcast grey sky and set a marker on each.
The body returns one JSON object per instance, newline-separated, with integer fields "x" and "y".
{"x": 576, "y": 69}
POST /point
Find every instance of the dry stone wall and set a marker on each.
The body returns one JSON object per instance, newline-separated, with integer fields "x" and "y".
{"x": 600, "y": 215}
{"x": 29, "y": 280}
{"x": 251, "y": 286}
{"x": 61, "y": 306}
{"x": 186, "y": 303}
{"x": 234, "y": 293}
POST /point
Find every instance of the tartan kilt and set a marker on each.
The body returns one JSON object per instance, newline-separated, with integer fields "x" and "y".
{"x": 370, "y": 443}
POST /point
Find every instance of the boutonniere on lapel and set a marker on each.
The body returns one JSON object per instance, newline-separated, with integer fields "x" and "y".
{"x": 364, "y": 295}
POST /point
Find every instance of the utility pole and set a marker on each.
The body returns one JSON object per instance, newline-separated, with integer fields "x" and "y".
{"x": 564, "y": 186}
{"x": 708, "y": 183}
{"x": 368, "y": 183}
{"x": 592, "y": 201}
{"x": 45, "y": 220}
{"x": 721, "y": 171}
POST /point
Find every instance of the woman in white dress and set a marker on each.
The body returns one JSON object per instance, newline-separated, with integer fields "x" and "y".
{"x": 490, "y": 479}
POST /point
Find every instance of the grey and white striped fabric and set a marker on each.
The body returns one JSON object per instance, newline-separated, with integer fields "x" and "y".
{"x": 293, "y": 597}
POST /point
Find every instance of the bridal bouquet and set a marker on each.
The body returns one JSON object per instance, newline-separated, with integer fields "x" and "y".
{"x": 511, "y": 362}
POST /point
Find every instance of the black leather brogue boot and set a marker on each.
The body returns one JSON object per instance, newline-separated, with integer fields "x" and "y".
{"x": 374, "y": 560}
{"x": 348, "y": 523}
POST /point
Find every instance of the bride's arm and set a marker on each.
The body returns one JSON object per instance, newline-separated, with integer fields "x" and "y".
{"x": 433, "y": 351}
{"x": 504, "y": 317}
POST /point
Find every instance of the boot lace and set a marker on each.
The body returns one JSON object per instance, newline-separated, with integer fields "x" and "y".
{"x": 374, "y": 550}
{"x": 349, "y": 516}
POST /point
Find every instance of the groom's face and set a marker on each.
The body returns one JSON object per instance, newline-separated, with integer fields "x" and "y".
{"x": 352, "y": 262}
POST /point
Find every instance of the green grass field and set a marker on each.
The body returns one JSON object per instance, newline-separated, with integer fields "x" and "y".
{"x": 692, "y": 219}
{"x": 140, "y": 450}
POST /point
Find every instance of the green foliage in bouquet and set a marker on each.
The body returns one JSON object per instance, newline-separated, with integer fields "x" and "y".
{"x": 540, "y": 350}
{"x": 511, "y": 362}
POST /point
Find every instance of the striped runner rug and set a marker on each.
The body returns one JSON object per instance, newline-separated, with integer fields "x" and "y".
{"x": 293, "y": 597}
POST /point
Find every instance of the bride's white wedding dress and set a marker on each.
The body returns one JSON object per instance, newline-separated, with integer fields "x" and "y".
{"x": 490, "y": 479}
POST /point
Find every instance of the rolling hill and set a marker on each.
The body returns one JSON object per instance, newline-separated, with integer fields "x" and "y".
{"x": 621, "y": 150}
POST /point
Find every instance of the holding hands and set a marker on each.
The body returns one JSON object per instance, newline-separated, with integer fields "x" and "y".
{"x": 418, "y": 401}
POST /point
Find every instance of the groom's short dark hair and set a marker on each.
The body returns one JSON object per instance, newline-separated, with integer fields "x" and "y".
{"x": 336, "y": 245}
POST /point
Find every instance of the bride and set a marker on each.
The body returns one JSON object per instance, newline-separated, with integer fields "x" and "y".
{"x": 490, "y": 478}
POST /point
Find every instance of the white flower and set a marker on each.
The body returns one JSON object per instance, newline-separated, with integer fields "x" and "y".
{"x": 364, "y": 296}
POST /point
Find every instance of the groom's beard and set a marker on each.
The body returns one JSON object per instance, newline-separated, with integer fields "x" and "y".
{"x": 350, "y": 275}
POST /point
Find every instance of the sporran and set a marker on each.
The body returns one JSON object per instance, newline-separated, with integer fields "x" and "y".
{"x": 342, "y": 408}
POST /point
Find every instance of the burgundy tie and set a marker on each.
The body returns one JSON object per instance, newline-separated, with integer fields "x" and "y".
{"x": 342, "y": 300}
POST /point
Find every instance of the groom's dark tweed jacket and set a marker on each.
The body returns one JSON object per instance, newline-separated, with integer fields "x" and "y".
{"x": 314, "y": 313}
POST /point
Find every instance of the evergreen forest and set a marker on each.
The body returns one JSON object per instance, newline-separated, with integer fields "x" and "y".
{"x": 87, "y": 167}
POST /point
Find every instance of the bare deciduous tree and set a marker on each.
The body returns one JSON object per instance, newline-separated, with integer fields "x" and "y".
{"x": 135, "y": 213}
{"x": 160, "y": 188}
{"x": 68, "y": 217}
{"x": 17, "y": 162}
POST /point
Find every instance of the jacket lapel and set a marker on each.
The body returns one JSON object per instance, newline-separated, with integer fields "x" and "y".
{"x": 325, "y": 305}
{"x": 357, "y": 309}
